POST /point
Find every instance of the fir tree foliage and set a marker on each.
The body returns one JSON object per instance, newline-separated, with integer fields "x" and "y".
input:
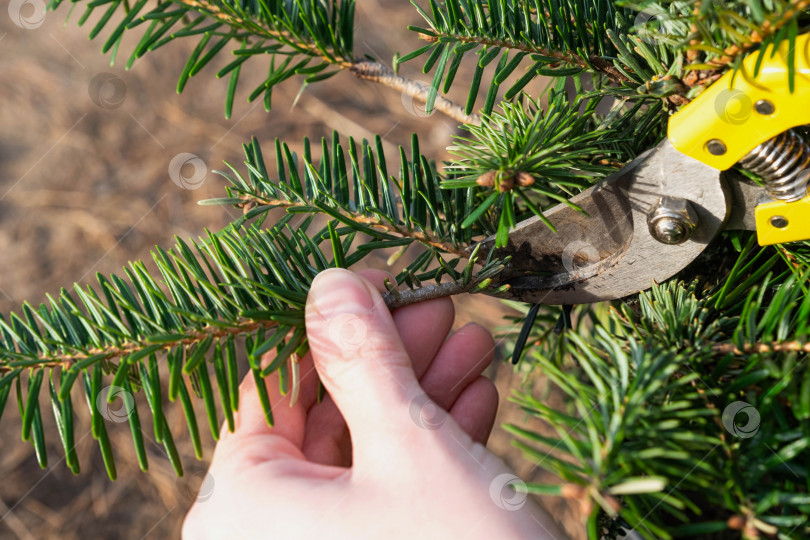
{"x": 247, "y": 282}
{"x": 633, "y": 49}
{"x": 644, "y": 439}
{"x": 310, "y": 38}
{"x": 534, "y": 159}
{"x": 646, "y": 436}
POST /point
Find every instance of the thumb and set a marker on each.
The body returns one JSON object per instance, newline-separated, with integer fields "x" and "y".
{"x": 359, "y": 356}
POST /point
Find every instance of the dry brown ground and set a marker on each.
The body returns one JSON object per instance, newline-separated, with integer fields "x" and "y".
{"x": 85, "y": 189}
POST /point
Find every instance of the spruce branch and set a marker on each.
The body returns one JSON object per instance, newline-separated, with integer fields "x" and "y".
{"x": 632, "y": 49}
{"x": 362, "y": 69}
{"x": 283, "y": 31}
{"x": 547, "y": 37}
{"x": 594, "y": 62}
{"x": 74, "y": 355}
{"x": 260, "y": 203}
{"x": 236, "y": 22}
{"x": 661, "y": 376}
{"x": 250, "y": 284}
{"x": 767, "y": 29}
{"x": 242, "y": 283}
{"x": 524, "y": 159}
{"x": 357, "y": 191}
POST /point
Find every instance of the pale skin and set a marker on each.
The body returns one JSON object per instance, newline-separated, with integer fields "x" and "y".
{"x": 375, "y": 458}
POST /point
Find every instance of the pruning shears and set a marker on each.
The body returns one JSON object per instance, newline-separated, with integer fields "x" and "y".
{"x": 657, "y": 214}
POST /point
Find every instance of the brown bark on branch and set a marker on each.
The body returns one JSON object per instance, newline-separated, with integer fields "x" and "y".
{"x": 594, "y": 62}
{"x": 753, "y": 348}
{"x": 66, "y": 360}
{"x": 251, "y": 202}
{"x": 398, "y": 299}
{"x": 362, "y": 69}
{"x": 376, "y": 72}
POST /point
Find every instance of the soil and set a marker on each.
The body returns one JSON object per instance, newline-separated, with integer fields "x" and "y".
{"x": 85, "y": 188}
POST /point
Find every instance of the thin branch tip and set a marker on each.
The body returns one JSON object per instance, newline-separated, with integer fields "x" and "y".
{"x": 376, "y": 72}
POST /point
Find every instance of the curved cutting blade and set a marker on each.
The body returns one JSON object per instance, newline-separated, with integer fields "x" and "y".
{"x": 610, "y": 253}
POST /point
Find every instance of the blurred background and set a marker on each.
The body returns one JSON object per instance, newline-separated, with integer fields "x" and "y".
{"x": 85, "y": 149}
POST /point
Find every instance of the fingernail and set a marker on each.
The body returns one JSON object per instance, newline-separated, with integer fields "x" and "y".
{"x": 337, "y": 291}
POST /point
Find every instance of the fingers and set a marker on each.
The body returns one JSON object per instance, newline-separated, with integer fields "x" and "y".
{"x": 475, "y": 409}
{"x": 460, "y": 361}
{"x": 350, "y": 330}
{"x": 453, "y": 381}
{"x": 360, "y": 357}
{"x": 422, "y": 327}
{"x": 450, "y": 378}
{"x": 327, "y": 441}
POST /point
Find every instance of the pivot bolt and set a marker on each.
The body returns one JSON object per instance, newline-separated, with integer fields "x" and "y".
{"x": 672, "y": 220}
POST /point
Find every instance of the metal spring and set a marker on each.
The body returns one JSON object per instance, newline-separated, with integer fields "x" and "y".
{"x": 783, "y": 163}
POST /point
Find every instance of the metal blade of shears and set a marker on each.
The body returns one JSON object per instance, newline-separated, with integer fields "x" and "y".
{"x": 610, "y": 253}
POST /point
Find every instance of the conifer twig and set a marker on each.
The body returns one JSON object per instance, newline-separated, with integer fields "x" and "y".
{"x": 393, "y": 300}
{"x": 66, "y": 361}
{"x": 767, "y": 29}
{"x": 752, "y": 348}
{"x": 398, "y": 299}
{"x": 594, "y": 62}
{"x": 377, "y": 72}
{"x": 251, "y": 201}
{"x": 362, "y": 69}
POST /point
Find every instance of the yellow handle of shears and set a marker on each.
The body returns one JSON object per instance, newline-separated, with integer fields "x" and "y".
{"x": 739, "y": 112}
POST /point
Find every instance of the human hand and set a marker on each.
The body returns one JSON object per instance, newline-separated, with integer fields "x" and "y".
{"x": 408, "y": 468}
